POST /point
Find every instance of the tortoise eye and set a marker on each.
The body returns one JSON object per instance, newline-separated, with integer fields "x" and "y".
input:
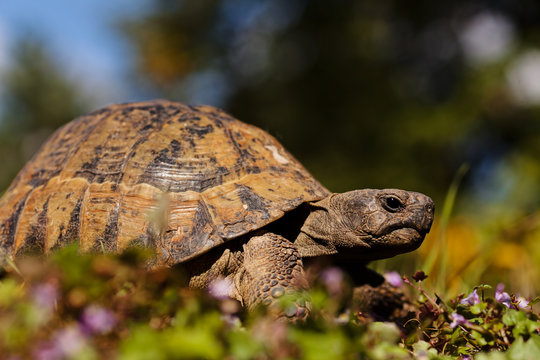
{"x": 392, "y": 204}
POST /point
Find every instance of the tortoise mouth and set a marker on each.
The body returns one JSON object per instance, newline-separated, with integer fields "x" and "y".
{"x": 406, "y": 236}
{"x": 394, "y": 242}
{"x": 404, "y": 239}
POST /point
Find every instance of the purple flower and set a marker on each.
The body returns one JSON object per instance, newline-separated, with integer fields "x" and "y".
{"x": 96, "y": 319}
{"x": 502, "y": 296}
{"x": 393, "y": 278}
{"x": 45, "y": 296}
{"x": 332, "y": 278}
{"x": 65, "y": 343}
{"x": 457, "y": 320}
{"x": 220, "y": 288}
{"x": 522, "y": 302}
{"x": 471, "y": 299}
{"x": 69, "y": 341}
{"x": 47, "y": 351}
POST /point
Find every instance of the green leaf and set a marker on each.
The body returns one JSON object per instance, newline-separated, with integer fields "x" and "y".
{"x": 525, "y": 350}
{"x": 384, "y": 351}
{"x": 383, "y": 331}
{"x": 494, "y": 355}
{"x": 244, "y": 345}
{"x": 464, "y": 350}
{"x": 141, "y": 345}
{"x": 423, "y": 350}
{"x": 534, "y": 301}
{"x": 479, "y": 337}
{"x": 192, "y": 343}
{"x": 320, "y": 345}
{"x": 533, "y": 326}
{"x": 522, "y": 325}
{"x": 478, "y": 308}
{"x": 513, "y": 317}
{"x": 10, "y": 291}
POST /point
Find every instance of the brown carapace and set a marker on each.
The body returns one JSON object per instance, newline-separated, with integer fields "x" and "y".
{"x": 100, "y": 177}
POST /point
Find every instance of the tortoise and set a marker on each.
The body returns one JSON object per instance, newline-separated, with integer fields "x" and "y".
{"x": 233, "y": 203}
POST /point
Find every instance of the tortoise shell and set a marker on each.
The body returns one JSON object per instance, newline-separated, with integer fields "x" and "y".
{"x": 102, "y": 178}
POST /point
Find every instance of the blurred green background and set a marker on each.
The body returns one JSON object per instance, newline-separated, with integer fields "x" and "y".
{"x": 367, "y": 93}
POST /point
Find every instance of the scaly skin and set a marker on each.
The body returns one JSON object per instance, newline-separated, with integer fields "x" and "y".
{"x": 266, "y": 267}
{"x": 355, "y": 227}
{"x": 272, "y": 266}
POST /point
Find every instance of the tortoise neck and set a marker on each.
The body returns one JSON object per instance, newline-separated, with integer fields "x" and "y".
{"x": 314, "y": 238}
{"x": 309, "y": 247}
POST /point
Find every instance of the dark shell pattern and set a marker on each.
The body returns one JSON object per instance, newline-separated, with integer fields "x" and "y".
{"x": 181, "y": 179}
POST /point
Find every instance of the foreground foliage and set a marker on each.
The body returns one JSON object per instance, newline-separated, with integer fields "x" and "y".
{"x": 103, "y": 306}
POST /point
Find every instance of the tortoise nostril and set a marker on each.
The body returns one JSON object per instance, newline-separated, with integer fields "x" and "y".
{"x": 429, "y": 206}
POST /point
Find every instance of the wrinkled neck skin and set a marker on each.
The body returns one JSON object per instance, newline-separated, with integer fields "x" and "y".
{"x": 325, "y": 233}
{"x": 319, "y": 252}
{"x": 309, "y": 247}
{"x": 312, "y": 242}
{"x": 319, "y": 248}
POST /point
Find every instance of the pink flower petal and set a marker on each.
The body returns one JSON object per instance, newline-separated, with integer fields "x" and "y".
{"x": 393, "y": 278}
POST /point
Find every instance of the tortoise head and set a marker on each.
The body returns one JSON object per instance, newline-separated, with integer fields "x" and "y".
{"x": 370, "y": 224}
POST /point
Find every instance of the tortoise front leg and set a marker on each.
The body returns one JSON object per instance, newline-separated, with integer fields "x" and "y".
{"x": 272, "y": 266}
